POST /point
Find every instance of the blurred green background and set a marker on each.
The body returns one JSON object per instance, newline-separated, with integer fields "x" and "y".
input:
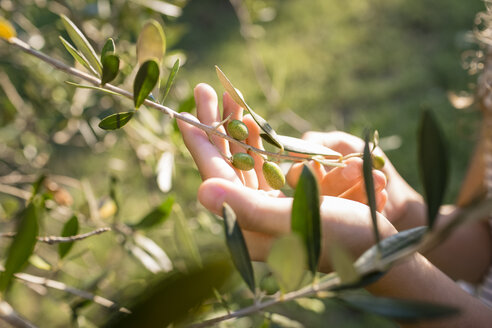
{"x": 346, "y": 65}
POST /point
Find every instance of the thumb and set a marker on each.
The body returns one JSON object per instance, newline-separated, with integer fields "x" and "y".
{"x": 256, "y": 211}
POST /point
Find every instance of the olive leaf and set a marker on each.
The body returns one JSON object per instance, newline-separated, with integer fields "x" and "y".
{"x": 81, "y": 43}
{"x": 115, "y": 121}
{"x": 145, "y": 81}
{"x": 71, "y": 228}
{"x": 343, "y": 264}
{"x": 170, "y": 80}
{"x": 305, "y": 217}
{"x": 238, "y": 98}
{"x": 23, "y": 244}
{"x": 433, "y": 164}
{"x": 237, "y": 247}
{"x": 77, "y": 55}
{"x": 369, "y": 186}
{"x": 111, "y": 67}
{"x": 151, "y": 43}
{"x": 157, "y": 215}
{"x": 287, "y": 260}
{"x": 398, "y": 309}
{"x": 91, "y": 87}
{"x": 301, "y": 146}
{"x": 108, "y": 48}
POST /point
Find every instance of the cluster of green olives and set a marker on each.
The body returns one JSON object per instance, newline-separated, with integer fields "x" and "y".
{"x": 245, "y": 162}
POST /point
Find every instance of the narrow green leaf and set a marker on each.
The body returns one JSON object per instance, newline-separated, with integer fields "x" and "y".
{"x": 396, "y": 244}
{"x": 238, "y": 98}
{"x": 145, "y": 81}
{"x": 184, "y": 238}
{"x": 397, "y": 309}
{"x": 81, "y": 43}
{"x": 305, "y": 219}
{"x": 170, "y": 80}
{"x": 108, "y": 48}
{"x": 369, "y": 185}
{"x": 237, "y": 247}
{"x": 111, "y": 67}
{"x": 433, "y": 164}
{"x": 71, "y": 228}
{"x": 287, "y": 260}
{"x": 300, "y": 146}
{"x": 115, "y": 121}
{"x": 22, "y": 246}
{"x": 91, "y": 87}
{"x": 77, "y": 55}
{"x": 362, "y": 282}
{"x": 174, "y": 297}
{"x": 157, "y": 215}
{"x": 151, "y": 43}
{"x": 343, "y": 264}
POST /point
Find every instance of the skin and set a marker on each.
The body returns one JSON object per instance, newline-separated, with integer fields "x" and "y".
{"x": 264, "y": 214}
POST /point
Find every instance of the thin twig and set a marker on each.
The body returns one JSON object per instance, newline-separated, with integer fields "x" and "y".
{"x": 71, "y": 290}
{"x": 166, "y": 110}
{"x": 58, "y": 240}
{"x": 8, "y": 314}
{"x": 257, "y": 307}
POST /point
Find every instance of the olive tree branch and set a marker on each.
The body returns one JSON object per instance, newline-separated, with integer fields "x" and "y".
{"x": 8, "y": 314}
{"x": 51, "y": 240}
{"x": 166, "y": 110}
{"x": 28, "y": 278}
{"x": 329, "y": 282}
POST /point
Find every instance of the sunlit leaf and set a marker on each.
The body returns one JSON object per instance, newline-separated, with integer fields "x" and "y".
{"x": 393, "y": 245}
{"x": 7, "y": 31}
{"x": 343, "y": 264}
{"x": 155, "y": 251}
{"x": 23, "y": 244}
{"x": 287, "y": 260}
{"x": 39, "y": 262}
{"x": 91, "y": 87}
{"x": 81, "y": 43}
{"x": 301, "y": 146}
{"x": 157, "y": 215}
{"x": 170, "y": 80}
{"x": 111, "y": 67}
{"x": 238, "y": 98}
{"x": 433, "y": 164}
{"x": 77, "y": 55}
{"x": 305, "y": 219}
{"x": 145, "y": 81}
{"x": 237, "y": 247}
{"x": 398, "y": 309}
{"x": 115, "y": 121}
{"x": 175, "y": 296}
{"x": 369, "y": 186}
{"x": 151, "y": 43}
{"x": 71, "y": 228}
{"x": 108, "y": 48}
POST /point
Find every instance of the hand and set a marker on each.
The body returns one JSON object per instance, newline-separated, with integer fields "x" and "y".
{"x": 404, "y": 207}
{"x": 262, "y": 213}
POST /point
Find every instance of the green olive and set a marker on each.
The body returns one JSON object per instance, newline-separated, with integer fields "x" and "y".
{"x": 243, "y": 161}
{"x": 273, "y": 175}
{"x": 377, "y": 162}
{"x": 237, "y": 129}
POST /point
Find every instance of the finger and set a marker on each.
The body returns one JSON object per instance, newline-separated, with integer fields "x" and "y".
{"x": 341, "y": 142}
{"x": 255, "y": 210}
{"x": 209, "y": 161}
{"x": 259, "y": 245}
{"x": 358, "y": 192}
{"x": 295, "y": 171}
{"x": 236, "y": 112}
{"x": 340, "y": 179}
{"x": 254, "y": 140}
{"x": 208, "y": 112}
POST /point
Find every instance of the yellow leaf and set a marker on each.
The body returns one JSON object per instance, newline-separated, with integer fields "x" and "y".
{"x": 7, "y": 31}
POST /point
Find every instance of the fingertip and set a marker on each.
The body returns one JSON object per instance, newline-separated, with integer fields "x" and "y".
{"x": 381, "y": 199}
{"x": 380, "y": 180}
{"x": 292, "y": 176}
